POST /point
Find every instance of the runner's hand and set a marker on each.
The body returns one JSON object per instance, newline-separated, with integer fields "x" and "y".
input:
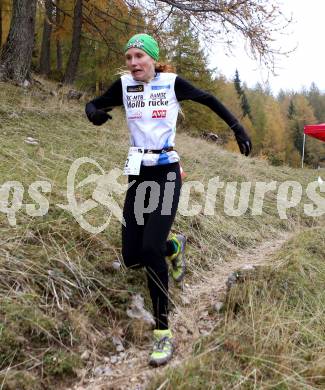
{"x": 99, "y": 117}
{"x": 243, "y": 140}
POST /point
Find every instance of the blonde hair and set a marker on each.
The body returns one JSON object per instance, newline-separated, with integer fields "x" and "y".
{"x": 164, "y": 68}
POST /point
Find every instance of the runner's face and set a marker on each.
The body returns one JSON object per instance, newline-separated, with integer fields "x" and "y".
{"x": 140, "y": 64}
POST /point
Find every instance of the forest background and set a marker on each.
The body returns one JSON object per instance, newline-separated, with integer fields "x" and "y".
{"x": 81, "y": 42}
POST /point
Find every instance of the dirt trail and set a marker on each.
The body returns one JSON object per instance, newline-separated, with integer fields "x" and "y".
{"x": 190, "y": 321}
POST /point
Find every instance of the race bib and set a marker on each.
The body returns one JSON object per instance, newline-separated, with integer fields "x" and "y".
{"x": 133, "y": 162}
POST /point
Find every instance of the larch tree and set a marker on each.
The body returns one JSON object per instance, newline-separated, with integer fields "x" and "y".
{"x": 62, "y": 31}
{"x": 59, "y": 57}
{"x": 274, "y": 144}
{"x": 16, "y": 54}
{"x": 317, "y": 100}
{"x": 256, "y": 21}
{"x": 106, "y": 27}
{"x": 304, "y": 115}
{"x": 184, "y": 51}
{"x": 72, "y": 65}
{"x": 45, "y": 57}
{"x": 98, "y": 29}
{"x": 0, "y": 23}
{"x": 5, "y": 11}
{"x": 258, "y": 100}
{"x": 291, "y": 110}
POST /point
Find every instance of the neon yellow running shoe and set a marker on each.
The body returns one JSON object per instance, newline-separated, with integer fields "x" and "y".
{"x": 163, "y": 347}
{"x": 177, "y": 259}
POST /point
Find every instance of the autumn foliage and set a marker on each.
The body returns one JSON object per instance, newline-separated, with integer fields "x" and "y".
{"x": 82, "y": 42}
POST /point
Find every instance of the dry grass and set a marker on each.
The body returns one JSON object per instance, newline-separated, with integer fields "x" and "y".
{"x": 271, "y": 335}
{"x": 59, "y": 294}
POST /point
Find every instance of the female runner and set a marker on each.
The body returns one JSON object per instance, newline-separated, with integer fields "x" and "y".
{"x": 151, "y": 93}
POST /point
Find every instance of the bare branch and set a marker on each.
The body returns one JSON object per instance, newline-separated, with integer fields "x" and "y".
{"x": 257, "y": 21}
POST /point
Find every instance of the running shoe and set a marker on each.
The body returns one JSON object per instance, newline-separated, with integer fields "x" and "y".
{"x": 177, "y": 259}
{"x": 163, "y": 347}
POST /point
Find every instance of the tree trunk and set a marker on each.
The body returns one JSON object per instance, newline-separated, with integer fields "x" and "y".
{"x": 0, "y": 23}
{"x": 16, "y": 55}
{"x": 45, "y": 59}
{"x": 59, "y": 61}
{"x": 72, "y": 65}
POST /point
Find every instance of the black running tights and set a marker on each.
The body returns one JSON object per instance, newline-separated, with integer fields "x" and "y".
{"x": 149, "y": 211}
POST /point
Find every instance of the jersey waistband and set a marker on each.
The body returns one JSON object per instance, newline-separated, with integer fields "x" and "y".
{"x": 159, "y": 151}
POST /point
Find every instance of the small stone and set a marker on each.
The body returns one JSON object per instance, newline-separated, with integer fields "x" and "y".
{"x": 102, "y": 371}
{"x": 73, "y": 94}
{"x": 85, "y": 355}
{"x": 203, "y": 332}
{"x": 120, "y": 348}
{"x": 185, "y": 300}
{"x": 20, "y": 339}
{"x": 118, "y": 343}
{"x": 210, "y": 136}
{"x": 98, "y": 371}
{"x": 107, "y": 359}
{"x": 204, "y": 314}
{"x": 31, "y": 141}
{"x": 116, "y": 265}
{"x": 138, "y": 311}
{"x": 232, "y": 279}
{"x": 81, "y": 373}
{"x": 107, "y": 371}
{"x": 114, "y": 359}
{"x": 26, "y": 84}
{"x": 218, "y": 306}
{"x": 248, "y": 267}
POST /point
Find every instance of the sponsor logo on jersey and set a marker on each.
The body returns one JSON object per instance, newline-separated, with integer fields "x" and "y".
{"x": 135, "y": 115}
{"x": 159, "y": 114}
{"x": 135, "y": 88}
{"x": 160, "y": 102}
{"x": 157, "y": 87}
{"x": 135, "y": 104}
{"x": 158, "y": 95}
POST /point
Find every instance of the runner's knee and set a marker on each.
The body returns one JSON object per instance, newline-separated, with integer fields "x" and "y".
{"x": 153, "y": 257}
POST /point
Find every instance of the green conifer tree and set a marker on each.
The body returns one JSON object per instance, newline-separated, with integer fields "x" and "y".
{"x": 291, "y": 110}
{"x": 246, "y": 109}
{"x": 190, "y": 61}
{"x": 237, "y": 83}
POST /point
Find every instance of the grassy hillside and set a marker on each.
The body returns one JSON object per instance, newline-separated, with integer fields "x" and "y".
{"x": 59, "y": 294}
{"x": 271, "y": 334}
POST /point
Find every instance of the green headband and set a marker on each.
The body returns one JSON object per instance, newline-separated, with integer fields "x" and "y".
{"x": 146, "y": 43}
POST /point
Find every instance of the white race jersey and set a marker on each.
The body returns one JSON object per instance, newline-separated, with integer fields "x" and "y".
{"x": 151, "y": 112}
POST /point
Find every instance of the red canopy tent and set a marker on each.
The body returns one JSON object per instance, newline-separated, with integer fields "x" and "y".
{"x": 315, "y": 131}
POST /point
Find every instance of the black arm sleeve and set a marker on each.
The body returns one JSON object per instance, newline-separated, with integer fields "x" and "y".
{"x": 186, "y": 91}
{"x": 112, "y": 97}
